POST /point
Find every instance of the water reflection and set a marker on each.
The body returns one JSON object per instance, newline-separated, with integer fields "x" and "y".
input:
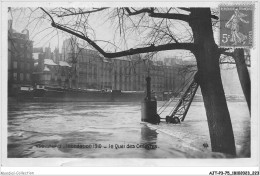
{"x": 148, "y": 138}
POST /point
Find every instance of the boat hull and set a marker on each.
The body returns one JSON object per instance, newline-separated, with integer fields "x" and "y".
{"x": 80, "y": 96}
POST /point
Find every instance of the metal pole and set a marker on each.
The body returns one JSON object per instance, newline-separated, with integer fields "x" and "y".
{"x": 148, "y": 87}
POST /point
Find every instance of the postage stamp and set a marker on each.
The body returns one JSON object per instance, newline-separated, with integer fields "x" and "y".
{"x": 236, "y": 26}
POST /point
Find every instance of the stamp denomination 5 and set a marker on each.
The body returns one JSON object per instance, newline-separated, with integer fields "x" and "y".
{"x": 236, "y": 26}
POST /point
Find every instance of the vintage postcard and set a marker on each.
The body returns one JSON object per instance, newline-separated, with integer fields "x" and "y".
{"x": 113, "y": 84}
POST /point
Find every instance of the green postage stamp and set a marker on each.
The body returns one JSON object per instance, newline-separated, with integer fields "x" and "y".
{"x": 236, "y": 26}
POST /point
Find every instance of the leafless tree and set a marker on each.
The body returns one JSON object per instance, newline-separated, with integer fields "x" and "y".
{"x": 163, "y": 29}
{"x": 241, "y": 58}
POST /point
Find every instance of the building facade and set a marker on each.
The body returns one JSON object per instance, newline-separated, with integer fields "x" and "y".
{"x": 87, "y": 69}
{"x": 20, "y": 61}
{"x": 52, "y": 74}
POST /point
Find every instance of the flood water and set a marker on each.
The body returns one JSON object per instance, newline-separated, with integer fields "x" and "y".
{"x": 113, "y": 130}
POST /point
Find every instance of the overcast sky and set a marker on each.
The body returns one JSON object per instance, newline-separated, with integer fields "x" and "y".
{"x": 44, "y": 35}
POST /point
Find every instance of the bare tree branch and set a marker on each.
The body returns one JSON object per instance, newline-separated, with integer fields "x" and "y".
{"x": 171, "y": 46}
{"x": 159, "y": 15}
{"x": 152, "y": 48}
{"x": 80, "y": 13}
{"x": 184, "y": 8}
{"x": 214, "y": 17}
{"x": 47, "y": 14}
{"x": 144, "y": 10}
{"x": 170, "y": 16}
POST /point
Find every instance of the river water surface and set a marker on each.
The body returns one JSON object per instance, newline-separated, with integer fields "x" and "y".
{"x": 113, "y": 130}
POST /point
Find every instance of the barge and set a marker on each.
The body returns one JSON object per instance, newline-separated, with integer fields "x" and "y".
{"x": 50, "y": 94}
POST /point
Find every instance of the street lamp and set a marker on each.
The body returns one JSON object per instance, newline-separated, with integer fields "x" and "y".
{"x": 149, "y": 105}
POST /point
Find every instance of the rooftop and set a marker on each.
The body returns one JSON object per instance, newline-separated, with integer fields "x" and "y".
{"x": 49, "y": 62}
{"x": 46, "y": 69}
{"x": 64, "y": 64}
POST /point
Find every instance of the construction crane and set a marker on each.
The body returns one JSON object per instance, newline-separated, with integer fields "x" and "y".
{"x": 180, "y": 110}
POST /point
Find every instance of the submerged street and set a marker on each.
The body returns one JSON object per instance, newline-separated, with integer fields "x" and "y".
{"x": 114, "y": 130}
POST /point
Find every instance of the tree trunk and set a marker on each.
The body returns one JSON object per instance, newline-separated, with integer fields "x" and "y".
{"x": 209, "y": 79}
{"x": 243, "y": 75}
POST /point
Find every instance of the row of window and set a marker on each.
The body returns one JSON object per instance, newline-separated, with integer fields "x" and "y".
{"x": 22, "y": 76}
{"x": 22, "y": 65}
{"x": 121, "y": 71}
{"x": 22, "y": 45}
{"x": 22, "y": 55}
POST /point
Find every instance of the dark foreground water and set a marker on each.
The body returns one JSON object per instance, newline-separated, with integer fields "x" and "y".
{"x": 113, "y": 130}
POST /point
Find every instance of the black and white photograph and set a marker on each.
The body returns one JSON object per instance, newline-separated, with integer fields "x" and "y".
{"x": 133, "y": 82}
